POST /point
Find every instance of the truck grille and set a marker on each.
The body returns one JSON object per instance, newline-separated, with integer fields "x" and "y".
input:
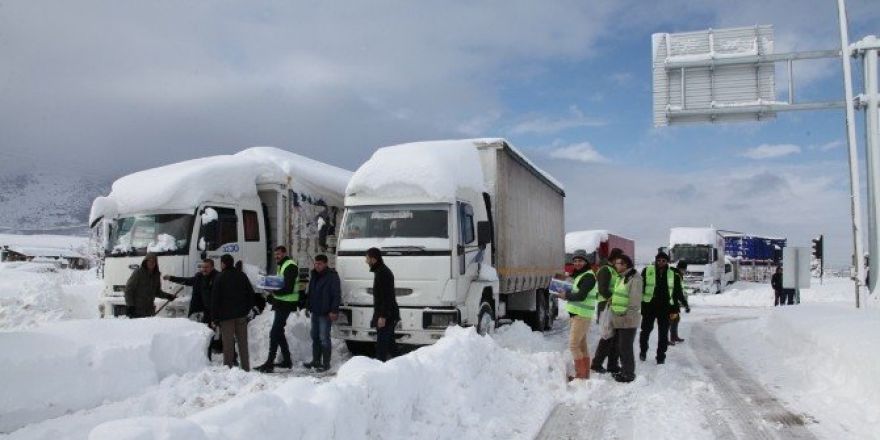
{"x": 397, "y": 292}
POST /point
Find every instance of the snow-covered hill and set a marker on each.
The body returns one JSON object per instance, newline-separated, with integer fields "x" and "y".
{"x": 34, "y": 202}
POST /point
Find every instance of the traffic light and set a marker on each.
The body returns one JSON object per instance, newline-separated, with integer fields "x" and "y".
{"x": 817, "y": 247}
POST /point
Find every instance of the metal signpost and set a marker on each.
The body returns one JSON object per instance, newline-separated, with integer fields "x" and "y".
{"x": 728, "y": 75}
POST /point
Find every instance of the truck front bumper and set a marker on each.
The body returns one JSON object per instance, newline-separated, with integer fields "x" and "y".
{"x": 417, "y": 326}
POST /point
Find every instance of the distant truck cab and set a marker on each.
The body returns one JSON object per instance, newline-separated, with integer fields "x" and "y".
{"x": 597, "y": 244}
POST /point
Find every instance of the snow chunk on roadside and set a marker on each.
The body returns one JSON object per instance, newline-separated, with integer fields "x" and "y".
{"x": 464, "y": 386}
{"x": 72, "y": 365}
{"x": 148, "y": 428}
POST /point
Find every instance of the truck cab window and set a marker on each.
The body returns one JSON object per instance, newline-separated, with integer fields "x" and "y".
{"x": 251, "y": 226}
{"x": 466, "y": 223}
{"x": 221, "y": 230}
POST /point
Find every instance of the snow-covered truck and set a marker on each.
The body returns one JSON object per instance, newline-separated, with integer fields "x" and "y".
{"x": 471, "y": 229}
{"x": 596, "y": 243}
{"x": 244, "y": 205}
{"x": 708, "y": 269}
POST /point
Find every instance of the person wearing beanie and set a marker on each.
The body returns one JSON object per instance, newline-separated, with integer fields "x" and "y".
{"x": 661, "y": 288}
{"x": 581, "y": 307}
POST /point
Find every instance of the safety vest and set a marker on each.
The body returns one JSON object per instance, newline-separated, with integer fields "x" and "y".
{"x": 289, "y": 296}
{"x": 587, "y": 307}
{"x": 613, "y": 281}
{"x": 619, "y": 296}
{"x": 651, "y": 280}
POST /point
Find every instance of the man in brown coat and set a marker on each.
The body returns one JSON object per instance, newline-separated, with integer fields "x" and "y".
{"x": 143, "y": 287}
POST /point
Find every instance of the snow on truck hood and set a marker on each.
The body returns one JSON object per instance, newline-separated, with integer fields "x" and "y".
{"x": 183, "y": 185}
{"x": 432, "y": 170}
{"x": 587, "y": 240}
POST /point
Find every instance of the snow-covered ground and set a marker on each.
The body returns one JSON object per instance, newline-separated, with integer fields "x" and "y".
{"x": 747, "y": 369}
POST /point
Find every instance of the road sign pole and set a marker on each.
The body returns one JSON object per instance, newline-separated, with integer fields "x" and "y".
{"x": 855, "y": 198}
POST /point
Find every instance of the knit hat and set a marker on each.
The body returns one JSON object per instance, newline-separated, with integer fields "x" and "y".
{"x": 580, "y": 255}
{"x": 662, "y": 255}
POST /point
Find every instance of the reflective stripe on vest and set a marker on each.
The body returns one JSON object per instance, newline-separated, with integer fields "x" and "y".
{"x": 651, "y": 280}
{"x": 290, "y": 296}
{"x": 587, "y": 307}
{"x": 619, "y": 296}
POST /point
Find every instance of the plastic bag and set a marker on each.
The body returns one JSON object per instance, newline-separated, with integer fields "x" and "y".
{"x": 606, "y": 327}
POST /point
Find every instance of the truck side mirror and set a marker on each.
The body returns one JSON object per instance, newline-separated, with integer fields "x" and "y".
{"x": 484, "y": 233}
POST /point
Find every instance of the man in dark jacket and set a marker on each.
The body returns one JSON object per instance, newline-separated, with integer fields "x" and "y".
{"x": 680, "y": 300}
{"x": 283, "y": 302}
{"x": 201, "y": 284}
{"x": 232, "y": 297}
{"x": 662, "y": 291}
{"x": 386, "y": 314}
{"x": 606, "y": 276}
{"x": 143, "y": 287}
{"x": 776, "y": 283}
{"x": 323, "y": 303}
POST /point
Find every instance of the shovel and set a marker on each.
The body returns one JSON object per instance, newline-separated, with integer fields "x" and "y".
{"x": 179, "y": 288}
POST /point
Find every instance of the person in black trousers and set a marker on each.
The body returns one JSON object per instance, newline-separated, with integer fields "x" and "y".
{"x": 776, "y": 283}
{"x": 200, "y": 301}
{"x": 662, "y": 291}
{"x": 386, "y": 314}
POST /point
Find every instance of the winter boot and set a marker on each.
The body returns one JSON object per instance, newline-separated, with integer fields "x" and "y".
{"x": 269, "y": 365}
{"x": 643, "y": 356}
{"x": 624, "y": 377}
{"x": 286, "y": 363}
{"x": 325, "y": 360}
{"x": 598, "y": 368}
{"x": 661, "y": 359}
{"x": 316, "y": 358}
{"x": 583, "y": 369}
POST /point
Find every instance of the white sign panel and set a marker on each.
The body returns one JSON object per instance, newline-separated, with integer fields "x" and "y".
{"x": 796, "y": 268}
{"x": 715, "y": 75}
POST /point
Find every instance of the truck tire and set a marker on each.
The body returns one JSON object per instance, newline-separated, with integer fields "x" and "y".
{"x": 361, "y": 348}
{"x": 485, "y": 320}
{"x": 540, "y": 319}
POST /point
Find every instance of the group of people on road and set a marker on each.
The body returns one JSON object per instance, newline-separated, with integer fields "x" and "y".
{"x": 632, "y": 300}
{"x": 226, "y": 301}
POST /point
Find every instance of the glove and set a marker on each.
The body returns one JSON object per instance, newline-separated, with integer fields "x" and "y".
{"x": 687, "y": 309}
{"x": 673, "y": 316}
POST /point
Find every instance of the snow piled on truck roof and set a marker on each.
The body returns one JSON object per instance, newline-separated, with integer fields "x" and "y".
{"x": 696, "y": 236}
{"x": 584, "y": 240}
{"x": 436, "y": 170}
{"x": 183, "y": 185}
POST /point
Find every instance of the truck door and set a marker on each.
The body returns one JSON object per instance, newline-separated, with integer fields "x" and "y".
{"x": 253, "y": 247}
{"x": 219, "y": 233}
{"x": 465, "y": 261}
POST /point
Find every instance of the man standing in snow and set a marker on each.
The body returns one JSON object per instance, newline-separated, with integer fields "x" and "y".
{"x": 776, "y": 283}
{"x": 385, "y": 310}
{"x": 283, "y": 303}
{"x": 200, "y": 301}
{"x": 143, "y": 287}
{"x": 661, "y": 292}
{"x": 679, "y": 299}
{"x": 323, "y": 303}
{"x": 232, "y": 298}
{"x": 606, "y": 277}
{"x": 581, "y": 307}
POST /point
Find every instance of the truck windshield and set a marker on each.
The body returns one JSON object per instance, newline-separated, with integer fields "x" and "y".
{"x": 407, "y": 223}
{"x": 692, "y": 254}
{"x": 165, "y": 234}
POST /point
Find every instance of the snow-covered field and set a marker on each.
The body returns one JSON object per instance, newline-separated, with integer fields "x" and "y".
{"x": 88, "y": 378}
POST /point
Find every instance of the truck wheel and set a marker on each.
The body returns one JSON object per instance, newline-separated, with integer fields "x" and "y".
{"x": 541, "y": 315}
{"x": 486, "y": 320}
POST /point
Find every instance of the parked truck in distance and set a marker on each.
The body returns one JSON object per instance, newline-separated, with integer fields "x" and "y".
{"x": 244, "y": 205}
{"x": 597, "y": 244}
{"x": 472, "y": 231}
{"x": 755, "y": 257}
{"x": 708, "y": 270}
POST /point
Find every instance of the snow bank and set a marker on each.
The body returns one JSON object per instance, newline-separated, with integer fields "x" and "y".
{"x": 464, "y": 386}
{"x": 436, "y": 170}
{"x": 747, "y": 294}
{"x": 695, "y": 236}
{"x": 61, "y": 367}
{"x": 587, "y": 241}
{"x": 182, "y": 185}
{"x": 32, "y": 294}
{"x": 821, "y": 358}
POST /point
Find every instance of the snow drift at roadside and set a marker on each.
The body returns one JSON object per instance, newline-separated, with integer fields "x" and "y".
{"x": 61, "y": 367}
{"x": 463, "y": 386}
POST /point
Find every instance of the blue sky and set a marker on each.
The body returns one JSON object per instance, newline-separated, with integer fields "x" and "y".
{"x": 108, "y": 88}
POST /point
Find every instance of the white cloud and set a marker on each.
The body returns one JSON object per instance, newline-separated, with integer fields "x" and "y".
{"x": 582, "y": 152}
{"x": 770, "y": 151}
{"x": 622, "y": 78}
{"x": 831, "y": 145}
{"x": 547, "y": 125}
